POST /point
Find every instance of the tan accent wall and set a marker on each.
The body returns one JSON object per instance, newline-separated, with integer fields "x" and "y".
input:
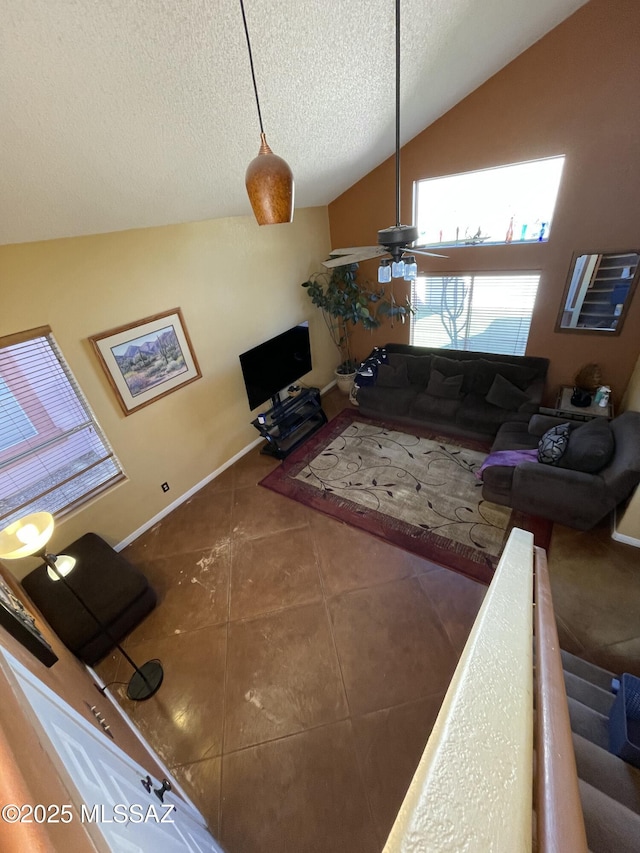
{"x": 575, "y": 92}
{"x": 237, "y": 285}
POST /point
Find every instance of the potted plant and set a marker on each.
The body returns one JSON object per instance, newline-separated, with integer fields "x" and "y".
{"x": 345, "y": 302}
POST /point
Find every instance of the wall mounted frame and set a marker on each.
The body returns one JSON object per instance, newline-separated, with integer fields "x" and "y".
{"x": 147, "y": 359}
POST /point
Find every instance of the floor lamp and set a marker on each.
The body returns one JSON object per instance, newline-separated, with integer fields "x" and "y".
{"x": 28, "y": 537}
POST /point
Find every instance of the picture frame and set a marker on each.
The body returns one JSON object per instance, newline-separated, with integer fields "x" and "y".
{"x": 147, "y": 359}
{"x": 22, "y": 626}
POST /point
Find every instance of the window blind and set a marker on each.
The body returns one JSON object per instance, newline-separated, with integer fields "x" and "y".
{"x": 53, "y": 454}
{"x": 488, "y": 312}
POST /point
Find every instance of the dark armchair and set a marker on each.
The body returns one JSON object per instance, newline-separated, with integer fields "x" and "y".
{"x": 572, "y": 497}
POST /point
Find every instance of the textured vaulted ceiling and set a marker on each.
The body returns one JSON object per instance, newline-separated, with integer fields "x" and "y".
{"x": 119, "y": 114}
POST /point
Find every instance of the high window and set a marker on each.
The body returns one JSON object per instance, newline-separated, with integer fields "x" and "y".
{"x": 507, "y": 204}
{"x": 482, "y": 312}
{"x": 53, "y": 454}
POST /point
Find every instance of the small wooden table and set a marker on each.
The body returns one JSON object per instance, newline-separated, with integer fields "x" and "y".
{"x": 564, "y": 408}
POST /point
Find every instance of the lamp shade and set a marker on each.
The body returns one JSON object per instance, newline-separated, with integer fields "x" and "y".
{"x": 270, "y": 187}
{"x": 26, "y": 536}
{"x": 63, "y": 565}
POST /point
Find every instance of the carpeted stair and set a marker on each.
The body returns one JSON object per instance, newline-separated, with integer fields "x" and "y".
{"x": 609, "y": 786}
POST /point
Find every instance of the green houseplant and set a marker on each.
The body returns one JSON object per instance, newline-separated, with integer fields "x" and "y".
{"x": 345, "y": 302}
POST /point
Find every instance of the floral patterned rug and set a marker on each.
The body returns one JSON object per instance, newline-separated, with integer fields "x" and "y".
{"x": 411, "y": 488}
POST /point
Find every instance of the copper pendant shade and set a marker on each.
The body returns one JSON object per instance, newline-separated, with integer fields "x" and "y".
{"x": 269, "y": 182}
{"x": 268, "y": 179}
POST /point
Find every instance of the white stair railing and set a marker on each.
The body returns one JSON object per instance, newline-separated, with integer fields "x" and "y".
{"x": 472, "y": 790}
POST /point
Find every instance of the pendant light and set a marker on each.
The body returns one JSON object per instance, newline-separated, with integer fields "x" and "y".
{"x": 268, "y": 179}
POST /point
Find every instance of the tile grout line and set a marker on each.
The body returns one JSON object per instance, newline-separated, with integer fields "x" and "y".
{"x": 374, "y": 827}
{"x": 444, "y": 628}
{"x": 226, "y": 659}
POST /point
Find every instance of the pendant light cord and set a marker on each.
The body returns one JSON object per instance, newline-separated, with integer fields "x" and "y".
{"x": 397, "y": 110}
{"x": 253, "y": 76}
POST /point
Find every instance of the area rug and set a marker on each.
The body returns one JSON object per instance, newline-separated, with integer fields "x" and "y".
{"x": 412, "y": 488}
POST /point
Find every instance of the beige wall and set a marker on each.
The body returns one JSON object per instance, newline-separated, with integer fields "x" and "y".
{"x": 575, "y": 92}
{"x": 632, "y": 395}
{"x": 237, "y": 285}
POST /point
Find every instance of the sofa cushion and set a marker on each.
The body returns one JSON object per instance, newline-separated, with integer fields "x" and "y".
{"x": 553, "y": 444}
{"x": 439, "y": 408}
{"x": 590, "y": 447}
{"x": 392, "y": 376}
{"x": 480, "y": 416}
{"x": 418, "y": 367}
{"x": 387, "y": 402}
{"x": 505, "y": 394}
{"x": 514, "y": 436}
{"x": 448, "y": 387}
{"x": 485, "y": 372}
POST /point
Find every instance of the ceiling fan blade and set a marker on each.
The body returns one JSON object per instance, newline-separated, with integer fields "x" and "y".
{"x": 422, "y": 252}
{"x": 364, "y": 253}
{"x": 351, "y": 250}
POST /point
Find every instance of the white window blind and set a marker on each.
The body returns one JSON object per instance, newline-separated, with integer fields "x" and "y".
{"x": 53, "y": 454}
{"x": 488, "y": 312}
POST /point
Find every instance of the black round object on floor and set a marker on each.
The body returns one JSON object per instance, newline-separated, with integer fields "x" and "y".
{"x": 140, "y": 687}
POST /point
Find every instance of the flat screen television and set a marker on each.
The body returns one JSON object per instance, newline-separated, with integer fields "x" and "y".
{"x": 275, "y": 364}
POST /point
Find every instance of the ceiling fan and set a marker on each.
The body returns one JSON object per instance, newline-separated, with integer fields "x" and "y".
{"x": 397, "y": 258}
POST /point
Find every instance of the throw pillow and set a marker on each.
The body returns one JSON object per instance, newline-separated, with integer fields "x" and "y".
{"x": 486, "y": 371}
{"x": 590, "y": 448}
{"x": 392, "y": 377}
{"x": 456, "y": 367}
{"x": 553, "y": 444}
{"x": 505, "y": 394}
{"x": 449, "y": 387}
{"x": 447, "y": 366}
{"x": 419, "y": 369}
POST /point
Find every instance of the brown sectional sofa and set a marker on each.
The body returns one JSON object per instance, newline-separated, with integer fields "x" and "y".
{"x": 470, "y": 394}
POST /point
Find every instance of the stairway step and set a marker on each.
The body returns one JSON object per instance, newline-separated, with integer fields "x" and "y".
{"x": 610, "y": 826}
{"x": 608, "y": 773}
{"x": 588, "y": 723}
{"x": 588, "y": 693}
{"x": 589, "y": 671}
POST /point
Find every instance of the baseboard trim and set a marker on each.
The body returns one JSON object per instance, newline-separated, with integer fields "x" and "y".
{"x": 185, "y": 497}
{"x": 622, "y": 537}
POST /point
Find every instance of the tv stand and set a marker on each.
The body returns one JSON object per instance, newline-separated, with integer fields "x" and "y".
{"x": 290, "y": 422}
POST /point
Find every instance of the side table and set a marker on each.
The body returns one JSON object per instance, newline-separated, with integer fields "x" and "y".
{"x": 564, "y": 408}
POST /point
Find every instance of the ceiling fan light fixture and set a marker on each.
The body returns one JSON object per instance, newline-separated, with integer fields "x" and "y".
{"x": 268, "y": 179}
{"x": 410, "y": 268}
{"x": 397, "y": 269}
{"x": 384, "y": 271}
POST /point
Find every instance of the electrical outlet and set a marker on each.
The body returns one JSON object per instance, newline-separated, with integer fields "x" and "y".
{"x": 165, "y": 487}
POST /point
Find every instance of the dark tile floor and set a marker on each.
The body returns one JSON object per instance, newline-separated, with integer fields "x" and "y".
{"x": 305, "y": 661}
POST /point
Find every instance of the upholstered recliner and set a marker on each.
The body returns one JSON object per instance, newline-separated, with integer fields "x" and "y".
{"x": 575, "y": 498}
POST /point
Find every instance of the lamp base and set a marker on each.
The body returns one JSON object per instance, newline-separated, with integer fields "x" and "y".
{"x": 144, "y": 688}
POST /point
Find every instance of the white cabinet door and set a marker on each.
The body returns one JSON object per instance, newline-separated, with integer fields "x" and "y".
{"x": 104, "y": 783}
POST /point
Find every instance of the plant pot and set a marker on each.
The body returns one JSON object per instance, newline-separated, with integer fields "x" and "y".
{"x": 344, "y": 381}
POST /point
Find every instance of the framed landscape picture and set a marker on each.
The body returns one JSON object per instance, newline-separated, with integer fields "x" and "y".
{"x": 147, "y": 359}
{"x": 21, "y": 625}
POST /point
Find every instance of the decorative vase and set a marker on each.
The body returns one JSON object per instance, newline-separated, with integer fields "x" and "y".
{"x": 344, "y": 381}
